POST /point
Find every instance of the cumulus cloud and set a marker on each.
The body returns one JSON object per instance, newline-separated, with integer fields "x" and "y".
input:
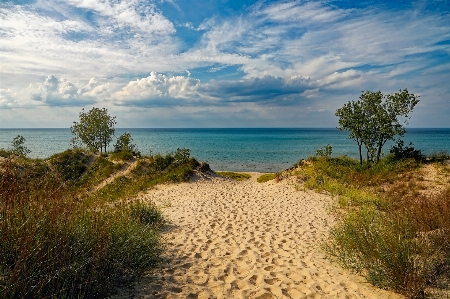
{"x": 159, "y": 90}
{"x": 60, "y": 92}
{"x": 7, "y": 98}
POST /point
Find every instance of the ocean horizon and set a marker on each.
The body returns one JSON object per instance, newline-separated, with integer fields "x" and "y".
{"x": 231, "y": 149}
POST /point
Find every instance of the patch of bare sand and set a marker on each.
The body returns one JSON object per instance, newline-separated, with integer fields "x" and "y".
{"x": 245, "y": 239}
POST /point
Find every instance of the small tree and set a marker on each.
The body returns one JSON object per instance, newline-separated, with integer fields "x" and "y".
{"x": 123, "y": 144}
{"x": 325, "y": 151}
{"x": 95, "y": 129}
{"x": 18, "y": 147}
{"x": 376, "y": 118}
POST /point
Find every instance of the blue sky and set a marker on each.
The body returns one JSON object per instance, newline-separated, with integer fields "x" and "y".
{"x": 219, "y": 63}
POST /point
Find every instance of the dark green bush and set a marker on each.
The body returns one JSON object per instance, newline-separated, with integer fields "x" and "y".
{"x": 181, "y": 156}
{"x": 5, "y": 153}
{"x": 400, "y": 151}
{"x": 147, "y": 214}
{"x": 70, "y": 164}
{"x": 125, "y": 148}
{"x": 162, "y": 162}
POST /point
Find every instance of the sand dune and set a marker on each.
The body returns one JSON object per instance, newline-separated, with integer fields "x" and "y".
{"x": 231, "y": 239}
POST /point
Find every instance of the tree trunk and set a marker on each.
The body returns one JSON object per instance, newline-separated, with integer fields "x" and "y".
{"x": 360, "y": 154}
{"x": 380, "y": 146}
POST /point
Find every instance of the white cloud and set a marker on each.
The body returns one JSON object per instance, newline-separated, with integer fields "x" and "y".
{"x": 7, "y": 98}
{"x": 128, "y": 13}
{"x": 158, "y": 90}
{"x": 60, "y": 92}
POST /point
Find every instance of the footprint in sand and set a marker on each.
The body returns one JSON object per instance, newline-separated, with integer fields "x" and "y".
{"x": 247, "y": 240}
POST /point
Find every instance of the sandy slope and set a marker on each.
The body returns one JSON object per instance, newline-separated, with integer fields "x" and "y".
{"x": 247, "y": 240}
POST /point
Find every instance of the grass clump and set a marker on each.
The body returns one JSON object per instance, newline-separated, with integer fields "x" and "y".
{"x": 266, "y": 177}
{"x": 389, "y": 231}
{"x": 70, "y": 164}
{"x": 238, "y": 176}
{"x": 55, "y": 246}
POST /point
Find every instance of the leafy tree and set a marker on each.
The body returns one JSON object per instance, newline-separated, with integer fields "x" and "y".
{"x": 95, "y": 129}
{"x": 18, "y": 147}
{"x": 376, "y": 118}
{"x": 351, "y": 118}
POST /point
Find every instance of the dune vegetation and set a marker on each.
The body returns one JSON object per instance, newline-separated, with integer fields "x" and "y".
{"x": 394, "y": 216}
{"x": 238, "y": 176}
{"x": 70, "y": 225}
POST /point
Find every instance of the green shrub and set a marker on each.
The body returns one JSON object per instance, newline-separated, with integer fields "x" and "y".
{"x": 162, "y": 162}
{"x": 238, "y": 176}
{"x": 382, "y": 248}
{"x": 266, "y": 177}
{"x": 122, "y": 155}
{"x": 70, "y": 164}
{"x": 147, "y": 214}
{"x": 18, "y": 147}
{"x": 5, "y": 153}
{"x": 400, "y": 151}
{"x": 326, "y": 151}
{"x": 124, "y": 149}
{"x": 181, "y": 156}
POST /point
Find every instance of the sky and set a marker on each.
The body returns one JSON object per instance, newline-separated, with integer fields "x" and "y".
{"x": 218, "y": 63}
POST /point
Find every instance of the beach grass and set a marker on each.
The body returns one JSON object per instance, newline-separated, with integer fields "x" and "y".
{"x": 62, "y": 238}
{"x": 238, "y": 176}
{"x": 391, "y": 229}
{"x": 266, "y": 177}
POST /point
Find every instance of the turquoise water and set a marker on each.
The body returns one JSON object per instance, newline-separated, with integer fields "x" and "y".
{"x": 264, "y": 150}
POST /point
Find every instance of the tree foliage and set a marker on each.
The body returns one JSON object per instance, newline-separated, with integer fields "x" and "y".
{"x": 376, "y": 118}
{"x": 124, "y": 144}
{"x": 18, "y": 147}
{"x": 95, "y": 129}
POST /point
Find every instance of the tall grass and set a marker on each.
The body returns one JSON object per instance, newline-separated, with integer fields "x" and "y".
{"x": 389, "y": 232}
{"x": 54, "y": 245}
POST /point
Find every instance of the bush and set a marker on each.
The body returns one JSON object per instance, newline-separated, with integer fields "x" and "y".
{"x": 181, "y": 156}
{"x": 70, "y": 164}
{"x": 266, "y": 177}
{"x": 238, "y": 176}
{"x": 18, "y": 147}
{"x": 5, "y": 153}
{"x": 400, "y": 151}
{"x": 326, "y": 151}
{"x": 162, "y": 162}
{"x": 124, "y": 148}
{"x": 147, "y": 214}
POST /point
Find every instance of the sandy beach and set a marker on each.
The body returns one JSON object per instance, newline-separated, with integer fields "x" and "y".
{"x": 230, "y": 239}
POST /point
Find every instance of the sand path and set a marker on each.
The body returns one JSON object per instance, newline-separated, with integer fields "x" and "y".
{"x": 231, "y": 239}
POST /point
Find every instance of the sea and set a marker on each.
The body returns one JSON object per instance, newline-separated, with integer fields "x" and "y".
{"x": 245, "y": 149}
